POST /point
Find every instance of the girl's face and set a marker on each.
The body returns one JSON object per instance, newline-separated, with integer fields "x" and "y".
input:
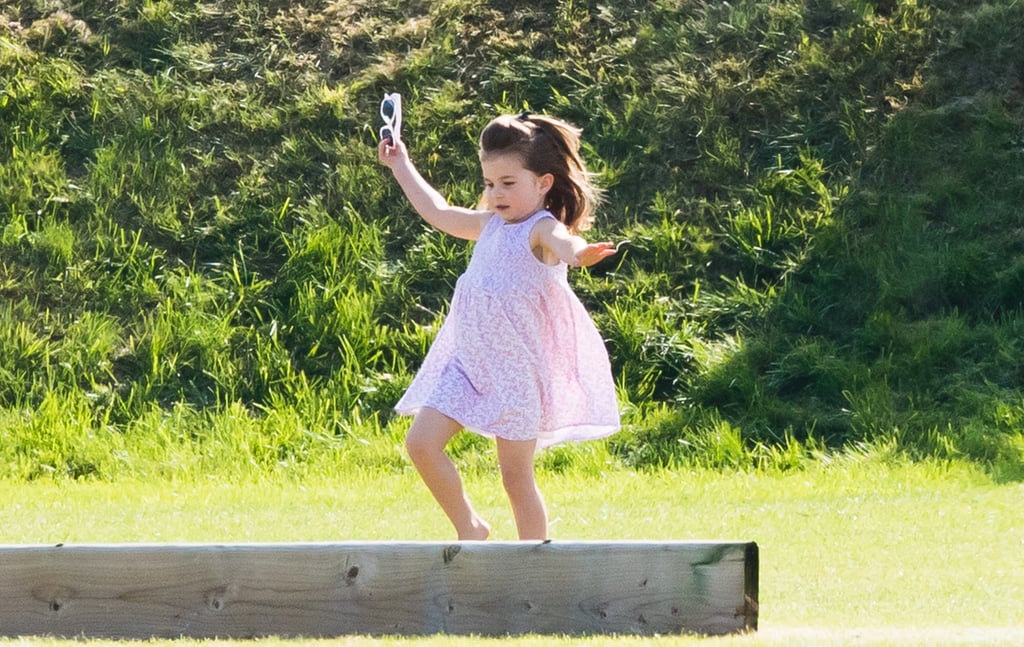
{"x": 512, "y": 191}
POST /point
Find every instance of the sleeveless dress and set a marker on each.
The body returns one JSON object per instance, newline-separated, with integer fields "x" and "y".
{"x": 517, "y": 357}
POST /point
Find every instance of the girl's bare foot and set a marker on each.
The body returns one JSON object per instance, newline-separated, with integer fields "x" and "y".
{"x": 478, "y": 532}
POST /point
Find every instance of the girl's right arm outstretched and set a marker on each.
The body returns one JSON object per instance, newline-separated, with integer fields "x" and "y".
{"x": 426, "y": 200}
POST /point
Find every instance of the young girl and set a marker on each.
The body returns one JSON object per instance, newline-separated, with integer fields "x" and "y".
{"x": 517, "y": 358}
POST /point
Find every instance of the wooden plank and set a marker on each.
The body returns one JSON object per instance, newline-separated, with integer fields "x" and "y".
{"x": 331, "y": 589}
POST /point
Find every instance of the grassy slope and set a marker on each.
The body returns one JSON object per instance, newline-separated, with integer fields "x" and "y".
{"x": 202, "y": 265}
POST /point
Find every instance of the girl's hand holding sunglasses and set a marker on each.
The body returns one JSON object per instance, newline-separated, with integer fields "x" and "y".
{"x": 391, "y": 113}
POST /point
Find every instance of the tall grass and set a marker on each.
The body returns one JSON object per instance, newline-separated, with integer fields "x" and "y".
{"x": 822, "y": 203}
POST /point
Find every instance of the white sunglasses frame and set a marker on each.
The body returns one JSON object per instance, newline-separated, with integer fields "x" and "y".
{"x": 392, "y": 128}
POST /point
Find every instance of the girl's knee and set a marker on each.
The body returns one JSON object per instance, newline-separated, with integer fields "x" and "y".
{"x": 429, "y": 434}
{"x": 421, "y": 445}
{"x": 518, "y": 479}
{"x": 515, "y": 460}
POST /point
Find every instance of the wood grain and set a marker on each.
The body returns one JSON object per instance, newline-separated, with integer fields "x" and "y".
{"x": 376, "y": 588}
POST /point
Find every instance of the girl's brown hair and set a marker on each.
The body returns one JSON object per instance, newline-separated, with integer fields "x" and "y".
{"x": 548, "y": 145}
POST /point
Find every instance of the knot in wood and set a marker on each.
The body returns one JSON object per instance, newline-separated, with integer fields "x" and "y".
{"x": 450, "y": 552}
{"x": 351, "y": 575}
{"x": 218, "y": 598}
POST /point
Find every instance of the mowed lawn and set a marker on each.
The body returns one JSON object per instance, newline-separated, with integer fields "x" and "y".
{"x": 853, "y": 551}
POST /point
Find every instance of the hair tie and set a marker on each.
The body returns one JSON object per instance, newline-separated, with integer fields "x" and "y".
{"x": 524, "y": 115}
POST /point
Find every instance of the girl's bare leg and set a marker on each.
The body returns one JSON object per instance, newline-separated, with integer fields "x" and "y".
{"x": 515, "y": 459}
{"x": 427, "y": 438}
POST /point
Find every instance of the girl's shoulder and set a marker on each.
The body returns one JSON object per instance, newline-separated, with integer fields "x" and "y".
{"x": 542, "y": 218}
{"x": 541, "y": 222}
{"x": 546, "y": 236}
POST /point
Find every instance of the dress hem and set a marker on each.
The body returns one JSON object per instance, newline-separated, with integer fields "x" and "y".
{"x": 565, "y": 434}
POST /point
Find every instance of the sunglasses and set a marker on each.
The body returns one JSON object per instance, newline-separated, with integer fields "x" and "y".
{"x": 391, "y": 113}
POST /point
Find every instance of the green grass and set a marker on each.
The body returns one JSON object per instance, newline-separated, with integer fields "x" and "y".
{"x": 859, "y": 548}
{"x": 816, "y": 327}
{"x": 822, "y": 201}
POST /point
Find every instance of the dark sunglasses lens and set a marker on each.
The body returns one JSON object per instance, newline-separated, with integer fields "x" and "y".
{"x": 385, "y": 133}
{"x": 387, "y": 109}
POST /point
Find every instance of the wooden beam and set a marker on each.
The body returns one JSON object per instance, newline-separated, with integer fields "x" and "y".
{"x": 138, "y": 591}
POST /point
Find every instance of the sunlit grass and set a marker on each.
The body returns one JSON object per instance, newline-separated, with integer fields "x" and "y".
{"x": 197, "y": 240}
{"x": 859, "y": 548}
{"x": 211, "y": 294}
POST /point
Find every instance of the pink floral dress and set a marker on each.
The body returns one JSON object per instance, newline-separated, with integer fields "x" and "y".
{"x": 517, "y": 357}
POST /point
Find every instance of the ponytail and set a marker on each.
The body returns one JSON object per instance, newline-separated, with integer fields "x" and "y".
{"x": 548, "y": 145}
